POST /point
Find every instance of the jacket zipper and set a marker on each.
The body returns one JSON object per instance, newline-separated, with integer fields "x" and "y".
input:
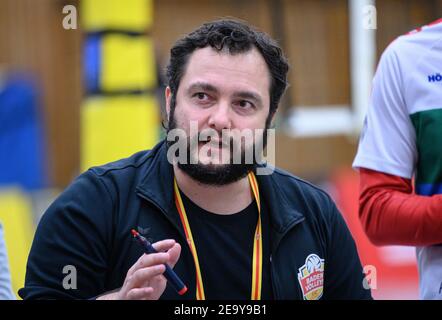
{"x": 276, "y": 292}
{"x": 272, "y": 275}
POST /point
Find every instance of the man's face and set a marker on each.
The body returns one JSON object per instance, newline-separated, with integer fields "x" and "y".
{"x": 220, "y": 92}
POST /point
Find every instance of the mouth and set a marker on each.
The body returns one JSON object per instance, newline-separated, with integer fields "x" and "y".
{"x": 213, "y": 143}
{"x": 213, "y": 151}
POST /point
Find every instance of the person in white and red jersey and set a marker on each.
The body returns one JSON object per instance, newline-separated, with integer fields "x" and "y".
{"x": 401, "y": 146}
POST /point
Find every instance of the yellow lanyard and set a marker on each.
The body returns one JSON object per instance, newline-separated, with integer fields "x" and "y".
{"x": 257, "y": 243}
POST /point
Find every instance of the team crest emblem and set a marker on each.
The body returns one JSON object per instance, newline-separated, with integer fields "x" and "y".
{"x": 311, "y": 277}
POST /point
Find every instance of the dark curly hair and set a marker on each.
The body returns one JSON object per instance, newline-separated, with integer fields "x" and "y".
{"x": 235, "y": 37}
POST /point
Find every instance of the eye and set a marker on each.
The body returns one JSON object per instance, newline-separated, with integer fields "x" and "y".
{"x": 202, "y": 99}
{"x": 244, "y": 104}
{"x": 201, "y": 96}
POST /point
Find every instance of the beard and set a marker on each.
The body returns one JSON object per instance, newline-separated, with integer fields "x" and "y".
{"x": 222, "y": 173}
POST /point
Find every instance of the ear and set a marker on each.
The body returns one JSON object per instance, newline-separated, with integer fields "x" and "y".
{"x": 168, "y": 96}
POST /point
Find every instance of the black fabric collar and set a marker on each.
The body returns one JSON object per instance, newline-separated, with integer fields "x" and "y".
{"x": 157, "y": 186}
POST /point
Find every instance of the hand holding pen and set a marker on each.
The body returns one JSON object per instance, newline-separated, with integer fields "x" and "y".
{"x": 170, "y": 275}
{"x": 146, "y": 280}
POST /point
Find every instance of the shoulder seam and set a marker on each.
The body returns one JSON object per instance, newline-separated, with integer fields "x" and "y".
{"x": 104, "y": 185}
{"x": 131, "y": 165}
{"x": 422, "y": 56}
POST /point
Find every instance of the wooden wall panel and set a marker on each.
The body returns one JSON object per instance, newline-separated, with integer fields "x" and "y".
{"x": 314, "y": 158}
{"x": 314, "y": 35}
{"x": 175, "y": 18}
{"x": 33, "y": 40}
{"x": 397, "y": 17}
{"x": 318, "y": 47}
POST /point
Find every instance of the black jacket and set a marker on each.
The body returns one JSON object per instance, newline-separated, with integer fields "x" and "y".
{"x": 88, "y": 227}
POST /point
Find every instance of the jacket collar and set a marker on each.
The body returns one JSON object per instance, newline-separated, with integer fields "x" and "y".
{"x": 157, "y": 187}
{"x": 282, "y": 211}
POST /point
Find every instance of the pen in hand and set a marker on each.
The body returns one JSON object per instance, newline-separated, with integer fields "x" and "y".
{"x": 170, "y": 275}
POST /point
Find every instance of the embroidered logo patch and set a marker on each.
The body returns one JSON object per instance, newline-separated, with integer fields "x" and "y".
{"x": 145, "y": 232}
{"x": 311, "y": 277}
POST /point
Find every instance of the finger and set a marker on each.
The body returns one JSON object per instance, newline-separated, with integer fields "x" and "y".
{"x": 140, "y": 293}
{"x": 164, "y": 245}
{"x": 147, "y": 260}
{"x": 174, "y": 254}
{"x": 142, "y": 276}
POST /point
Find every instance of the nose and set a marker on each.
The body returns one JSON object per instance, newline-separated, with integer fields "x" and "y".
{"x": 220, "y": 119}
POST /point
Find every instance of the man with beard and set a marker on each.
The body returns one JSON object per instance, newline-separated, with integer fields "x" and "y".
{"x": 229, "y": 230}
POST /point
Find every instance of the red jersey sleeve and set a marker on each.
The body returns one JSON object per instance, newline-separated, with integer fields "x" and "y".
{"x": 392, "y": 214}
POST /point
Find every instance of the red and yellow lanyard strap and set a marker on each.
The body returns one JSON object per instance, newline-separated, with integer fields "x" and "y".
{"x": 257, "y": 243}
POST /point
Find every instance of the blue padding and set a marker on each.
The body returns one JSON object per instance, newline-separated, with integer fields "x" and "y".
{"x": 22, "y": 151}
{"x": 92, "y": 62}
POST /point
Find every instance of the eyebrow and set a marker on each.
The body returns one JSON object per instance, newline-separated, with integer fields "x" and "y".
{"x": 249, "y": 95}
{"x": 238, "y": 94}
{"x": 203, "y": 86}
